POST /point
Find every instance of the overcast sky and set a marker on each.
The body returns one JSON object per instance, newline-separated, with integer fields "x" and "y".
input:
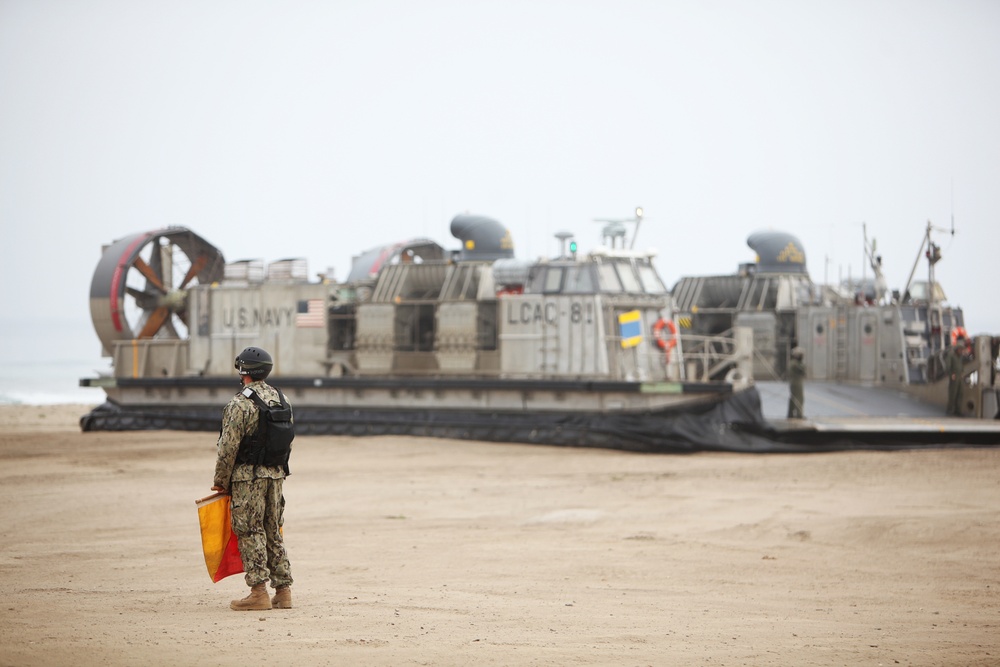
{"x": 322, "y": 129}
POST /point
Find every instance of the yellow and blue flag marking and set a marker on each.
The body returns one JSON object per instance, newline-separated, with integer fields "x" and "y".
{"x": 630, "y": 328}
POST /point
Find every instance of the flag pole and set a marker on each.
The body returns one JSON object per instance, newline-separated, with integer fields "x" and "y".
{"x": 215, "y": 495}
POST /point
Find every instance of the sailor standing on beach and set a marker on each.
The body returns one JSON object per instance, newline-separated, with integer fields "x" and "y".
{"x": 248, "y": 470}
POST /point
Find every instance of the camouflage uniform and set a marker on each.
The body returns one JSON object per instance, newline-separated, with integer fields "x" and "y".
{"x": 796, "y": 398}
{"x": 258, "y": 505}
{"x": 956, "y": 368}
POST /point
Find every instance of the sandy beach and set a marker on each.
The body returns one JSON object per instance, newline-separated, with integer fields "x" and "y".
{"x": 411, "y": 551}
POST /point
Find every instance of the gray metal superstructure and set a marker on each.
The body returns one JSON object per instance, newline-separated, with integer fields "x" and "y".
{"x": 474, "y": 343}
{"x": 861, "y": 333}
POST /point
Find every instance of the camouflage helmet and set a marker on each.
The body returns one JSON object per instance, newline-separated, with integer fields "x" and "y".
{"x": 254, "y": 362}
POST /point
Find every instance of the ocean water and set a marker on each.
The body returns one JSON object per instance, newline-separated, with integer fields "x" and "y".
{"x": 45, "y": 360}
{"x": 49, "y": 382}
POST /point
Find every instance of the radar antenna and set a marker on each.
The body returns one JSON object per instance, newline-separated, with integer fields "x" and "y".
{"x": 614, "y": 228}
{"x": 563, "y": 237}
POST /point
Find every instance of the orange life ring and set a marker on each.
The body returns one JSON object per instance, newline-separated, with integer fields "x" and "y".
{"x": 663, "y": 342}
{"x": 956, "y": 332}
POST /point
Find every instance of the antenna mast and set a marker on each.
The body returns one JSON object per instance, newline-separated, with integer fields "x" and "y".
{"x": 615, "y": 227}
{"x": 953, "y": 207}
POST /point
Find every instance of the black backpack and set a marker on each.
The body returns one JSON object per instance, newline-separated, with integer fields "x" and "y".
{"x": 271, "y": 443}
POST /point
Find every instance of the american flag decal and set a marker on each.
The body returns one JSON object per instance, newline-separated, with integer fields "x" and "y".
{"x": 309, "y": 313}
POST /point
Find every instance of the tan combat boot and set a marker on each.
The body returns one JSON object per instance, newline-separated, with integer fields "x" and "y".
{"x": 282, "y": 598}
{"x": 256, "y": 601}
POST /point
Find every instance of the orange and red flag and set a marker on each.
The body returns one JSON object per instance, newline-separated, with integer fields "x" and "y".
{"x": 222, "y": 554}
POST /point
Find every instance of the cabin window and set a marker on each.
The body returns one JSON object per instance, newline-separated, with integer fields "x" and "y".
{"x": 553, "y": 280}
{"x": 579, "y": 280}
{"x": 608, "y": 278}
{"x": 630, "y": 281}
{"x": 651, "y": 283}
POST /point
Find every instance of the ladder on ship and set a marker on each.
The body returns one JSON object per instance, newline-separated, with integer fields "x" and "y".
{"x": 840, "y": 344}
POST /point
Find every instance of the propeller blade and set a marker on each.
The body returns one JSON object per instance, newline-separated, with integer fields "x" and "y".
{"x": 144, "y": 300}
{"x": 146, "y": 270}
{"x": 195, "y": 269}
{"x": 155, "y": 321}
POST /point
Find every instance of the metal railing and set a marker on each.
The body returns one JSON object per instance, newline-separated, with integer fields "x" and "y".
{"x": 724, "y": 356}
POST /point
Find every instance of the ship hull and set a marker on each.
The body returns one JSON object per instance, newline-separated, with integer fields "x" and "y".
{"x": 631, "y": 416}
{"x": 650, "y": 418}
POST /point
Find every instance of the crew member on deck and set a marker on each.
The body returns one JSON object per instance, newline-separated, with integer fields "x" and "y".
{"x": 796, "y": 378}
{"x": 955, "y": 364}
